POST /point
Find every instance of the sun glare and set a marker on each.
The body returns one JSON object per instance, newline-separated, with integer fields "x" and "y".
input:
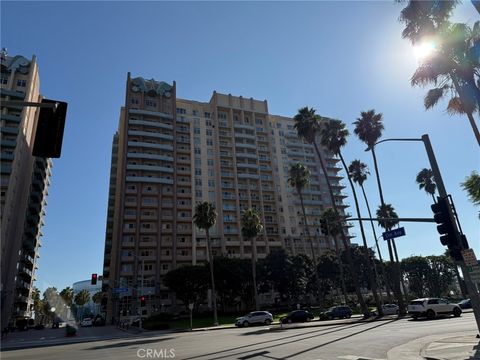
{"x": 423, "y": 50}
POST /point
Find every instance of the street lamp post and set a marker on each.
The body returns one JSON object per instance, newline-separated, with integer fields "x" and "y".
{"x": 471, "y": 288}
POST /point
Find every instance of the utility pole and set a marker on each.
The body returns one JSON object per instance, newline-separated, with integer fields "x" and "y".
{"x": 471, "y": 288}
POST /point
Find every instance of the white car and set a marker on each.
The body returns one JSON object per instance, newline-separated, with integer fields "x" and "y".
{"x": 254, "y": 318}
{"x": 431, "y": 307}
{"x": 86, "y": 322}
{"x": 390, "y": 309}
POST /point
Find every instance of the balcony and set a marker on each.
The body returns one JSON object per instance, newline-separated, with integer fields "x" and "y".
{"x": 151, "y": 123}
{"x": 246, "y": 155}
{"x": 146, "y": 179}
{"x": 243, "y": 126}
{"x": 246, "y": 145}
{"x": 150, "y": 134}
{"x": 150, "y": 168}
{"x": 151, "y": 113}
{"x": 150, "y": 145}
{"x": 149, "y": 156}
{"x": 248, "y": 176}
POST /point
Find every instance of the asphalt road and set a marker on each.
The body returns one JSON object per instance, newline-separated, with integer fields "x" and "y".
{"x": 339, "y": 341}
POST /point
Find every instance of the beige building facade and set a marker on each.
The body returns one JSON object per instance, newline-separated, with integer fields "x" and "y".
{"x": 170, "y": 153}
{"x": 24, "y": 187}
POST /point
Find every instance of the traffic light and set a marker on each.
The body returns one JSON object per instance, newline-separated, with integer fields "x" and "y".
{"x": 446, "y": 228}
{"x": 94, "y": 279}
{"x": 142, "y": 301}
{"x": 49, "y": 132}
{"x": 324, "y": 226}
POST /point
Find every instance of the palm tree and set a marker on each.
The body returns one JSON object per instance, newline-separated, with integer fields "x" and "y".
{"x": 299, "y": 178}
{"x": 82, "y": 298}
{"x": 308, "y": 126}
{"x": 251, "y": 227}
{"x": 335, "y": 227}
{"x": 426, "y": 181}
{"x": 453, "y": 67}
{"x": 368, "y": 129}
{"x": 359, "y": 173}
{"x": 67, "y": 295}
{"x": 204, "y": 218}
{"x": 472, "y": 186}
{"x": 334, "y": 137}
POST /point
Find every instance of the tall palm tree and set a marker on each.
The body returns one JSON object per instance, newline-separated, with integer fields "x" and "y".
{"x": 308, "y": 126}
{"x": 359, "y": 173}
{"x": 251, "y": 227}
{"x": 82, "y": 298}
{"x": 426, "y": 181}
{"x": 335, "y": 227}
{"x": 368, "y": 129}
{"x": 299, "y": 178}
{"x": 67, "y": 295}
{"x": 334, "y": 137}
{"x": 204, "y": 218}
{"x": 453, "y": 68}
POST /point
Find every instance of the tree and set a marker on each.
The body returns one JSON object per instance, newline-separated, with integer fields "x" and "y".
{"x": 38, "y": 305}
{"x": 335, "y": 227}
{"x": 328, "y": 269}
{"x": 308, "y": 126}
{"x": 359, "y": 174}
{"x": 472, "y": 186}
{"x": 251, "y": 227}
{"x": 416, "y": 269}
{"x": 67, "y": 295}
{"x": 204, "y": 218}
{"x": 426, "y": 181}
{"x": 299, "y": 178}
{"x": 334, "y": 137}
{"x": 369, "y": 128}
{"x": 440, "y": 278}
{"x": 189, "y": 283}
{"x": 453, "y": 67}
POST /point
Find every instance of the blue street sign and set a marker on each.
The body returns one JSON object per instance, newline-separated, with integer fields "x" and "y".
{"x": 119, "y": 290}
{"x": 387, "y": 235}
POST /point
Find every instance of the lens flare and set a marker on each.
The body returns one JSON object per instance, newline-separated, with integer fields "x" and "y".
{"x": 424, "y": 50}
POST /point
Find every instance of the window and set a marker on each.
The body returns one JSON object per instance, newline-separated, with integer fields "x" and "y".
{"x": 198, "y": 151}
{"x": 206, "y": 114}
{"x": 258, "y": 121}
{"x": 208, "y": 123}
{"x": 196, "y": 131}
{"x": 211, "y": 183}
{"x": 198, "y": 171}
{"x": 198, "y": 193}
{"x": 21, "y": 83}
{"x": 209, "y": 142}
{"x": 195, "y": 112}
{"x": 3, "y": 80}
{"x": 150, "y": 103}
{"x": 209, "y": 132}
{"x": 198, "y": 182}
{"x": 210, "y": 162}
{"x": 181, "y": 111}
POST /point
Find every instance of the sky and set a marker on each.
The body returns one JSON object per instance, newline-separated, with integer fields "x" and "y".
{"x": 340, "y": 58}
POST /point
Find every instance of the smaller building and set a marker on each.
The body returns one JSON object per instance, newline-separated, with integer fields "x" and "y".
{"x": 92, "y": 289}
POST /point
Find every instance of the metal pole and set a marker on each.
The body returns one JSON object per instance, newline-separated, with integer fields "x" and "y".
{"x": 28, "y": 103}
{"x": 390, "y": 219}
{"x": 143, "y": 266}
{"x": 471, "y": 288}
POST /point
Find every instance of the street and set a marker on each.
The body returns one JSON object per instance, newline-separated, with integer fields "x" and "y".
{"x": 337, "y": 341}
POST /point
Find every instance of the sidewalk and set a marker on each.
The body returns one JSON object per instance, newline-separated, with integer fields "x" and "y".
{"x": 453, "y": 346}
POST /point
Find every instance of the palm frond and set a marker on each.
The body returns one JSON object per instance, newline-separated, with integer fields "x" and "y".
{"x": 433, "y": 96}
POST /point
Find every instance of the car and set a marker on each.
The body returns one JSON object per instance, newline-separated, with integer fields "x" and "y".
{"x": 98, "y": 321}
{"x": 39, "y": 327}
{"x": 86, "y": 322}
{"x": 465, "y": 304}
{"x": 390, "y": 309}
{"x": 254, "y": 318}
{"x": 432, "y": 307}
{"x": 340, "y": 312}
{"x": 297, "y": 316}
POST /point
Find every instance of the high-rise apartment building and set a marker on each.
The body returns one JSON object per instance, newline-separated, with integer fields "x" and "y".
{"x": 24, "y": 186}
{"x": 168, "y": 154}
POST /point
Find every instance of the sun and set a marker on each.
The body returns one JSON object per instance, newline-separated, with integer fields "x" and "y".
{"x": 423, "y": 50}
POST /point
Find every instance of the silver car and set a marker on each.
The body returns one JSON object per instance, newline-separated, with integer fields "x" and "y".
{"x": 254, "y": 318}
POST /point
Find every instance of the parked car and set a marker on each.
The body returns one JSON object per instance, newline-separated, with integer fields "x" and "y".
{"x": 390, "y": 309}
{"x": 98, "y": 321}
{"x": 340, "y": 312}
{"x": 432, "y": 307}
{"x": 297, "y": 316}
{"x": 254, "y": 318}
{"x": 465, "y": 304}
{"x": 86, "y": 322}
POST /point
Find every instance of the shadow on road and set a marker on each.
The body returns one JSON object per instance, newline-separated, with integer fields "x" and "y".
{"x": 128, "y": 343}
{"x": 439, "y": 317}
{"x": 476, "y": 355}
{"x": 262, "y": 351}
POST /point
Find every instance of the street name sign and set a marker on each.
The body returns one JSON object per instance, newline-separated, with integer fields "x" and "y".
{"x": 387, "y": 235}
{"x": 469, "y": 257}
{"x": 120, "y": 290}
{"x": 474, "y": 273}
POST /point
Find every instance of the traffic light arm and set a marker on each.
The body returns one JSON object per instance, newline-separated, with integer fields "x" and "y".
{"x": 30, "y": 104}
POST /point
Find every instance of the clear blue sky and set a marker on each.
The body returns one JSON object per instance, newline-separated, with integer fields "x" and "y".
{"x": 338, "y": 57}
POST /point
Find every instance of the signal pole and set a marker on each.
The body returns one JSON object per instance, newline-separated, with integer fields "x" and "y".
{"x": 471, "y": 288}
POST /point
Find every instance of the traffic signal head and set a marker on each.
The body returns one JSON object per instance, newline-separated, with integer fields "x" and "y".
{"x": 142, "y": 301}
{"x": 49, "y": 132}
{"x": 445, "y": 227}
{"x": 94, "y": 279}
{"x": 324, "y": 226}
